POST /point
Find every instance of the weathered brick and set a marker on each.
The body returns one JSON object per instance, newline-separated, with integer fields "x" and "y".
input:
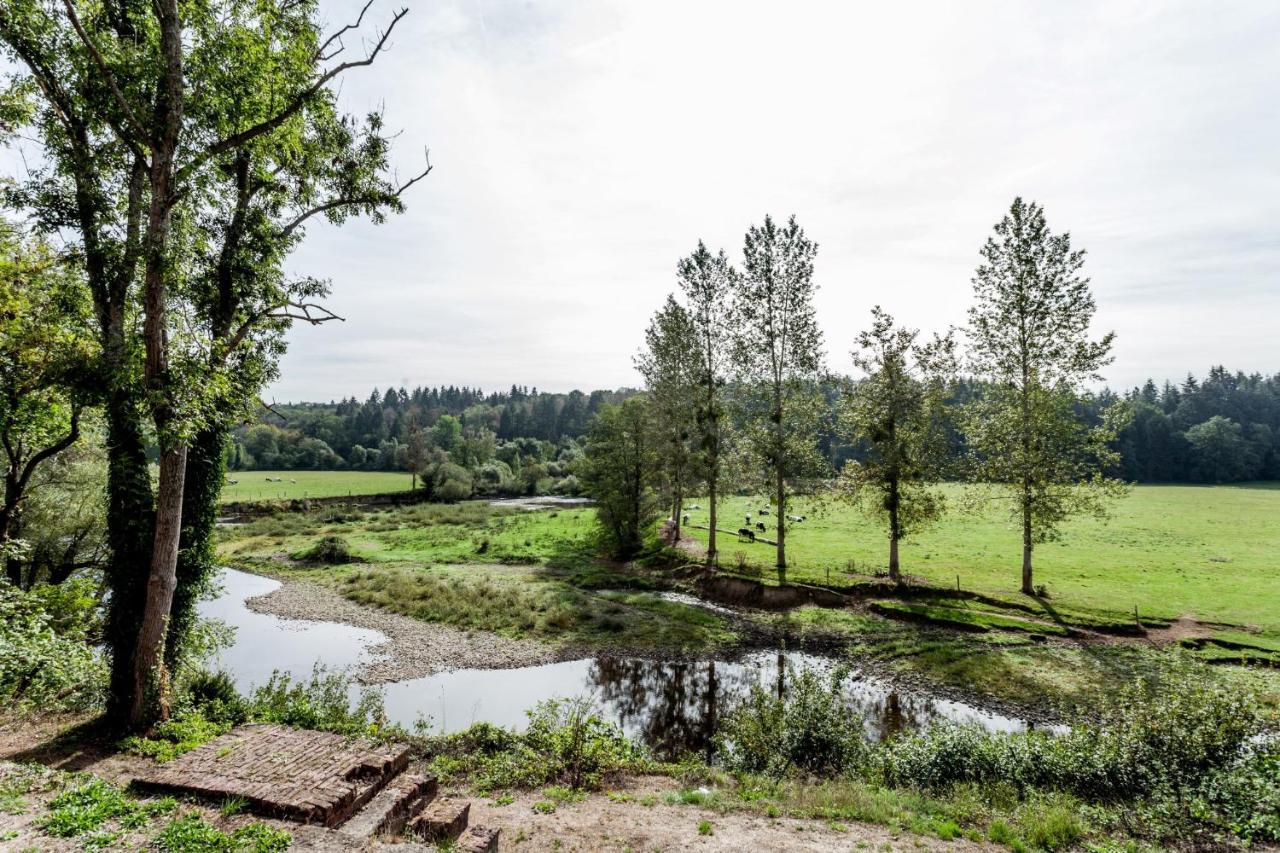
{"x": 314, "y": 777}
{"x": 478, "y": 839}
{"x": 442, "y": 819}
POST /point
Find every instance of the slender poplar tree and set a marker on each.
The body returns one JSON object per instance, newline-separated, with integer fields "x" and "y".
{"x": 777, "y": 350}
{"x": 707, "y": 283}
{"x": 1029, "y": 337}
{"x": 668, "y": 365}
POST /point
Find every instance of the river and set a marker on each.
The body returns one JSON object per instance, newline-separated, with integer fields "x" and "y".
{"x": 672, "y": 705}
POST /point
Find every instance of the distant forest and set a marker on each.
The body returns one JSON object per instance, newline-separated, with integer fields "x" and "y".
{"x": 1222, "y": 428}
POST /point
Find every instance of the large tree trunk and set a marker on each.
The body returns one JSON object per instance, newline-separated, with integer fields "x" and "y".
{"x": 9, "y": 523}
{"x": 161, "y": 583}
{"x": 130, "y": 513}
{"x": 202, "y": 487}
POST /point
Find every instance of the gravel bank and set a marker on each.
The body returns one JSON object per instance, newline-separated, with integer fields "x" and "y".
{"x": 413, "y": 648}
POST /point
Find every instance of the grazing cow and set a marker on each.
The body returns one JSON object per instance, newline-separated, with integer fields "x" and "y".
{"x": 746, "y": 520}
{"x": 233, "y": 482}
{"x": 686, "y": 519}
{"x": 764, "y": 511}
{"x": 695, "y": 506}
{"x": 760, "y": 526}
{"x": 795, "y": 518}
{"x": 746, "y": 533}
{"x": 293, "y": 481}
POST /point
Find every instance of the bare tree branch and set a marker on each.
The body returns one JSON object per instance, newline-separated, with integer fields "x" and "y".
{"x": 335, "y": 203}
{"x": 320, "y": 55}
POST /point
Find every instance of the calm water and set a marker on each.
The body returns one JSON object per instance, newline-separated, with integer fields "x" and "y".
{"x": 670, "y": 705}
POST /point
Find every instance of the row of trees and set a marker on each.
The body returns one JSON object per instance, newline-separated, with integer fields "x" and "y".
{"x": 737, "y": 390}
{"x": 174, "y": 192}
{"x": 374, "y": 435}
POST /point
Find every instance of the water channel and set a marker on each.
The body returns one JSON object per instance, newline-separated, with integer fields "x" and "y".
{"x": 671, "y": 705}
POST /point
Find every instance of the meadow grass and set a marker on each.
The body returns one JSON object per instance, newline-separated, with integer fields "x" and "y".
{"x": 1205, "y": 551}
{"x": 294, "y": 485}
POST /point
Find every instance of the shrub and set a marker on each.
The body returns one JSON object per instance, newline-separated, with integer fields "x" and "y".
{"x": 170, "y": 739}
{"x": 330, "y": 551}
{"x": 41, "y": 667}
{"x": 1144, "y": 740}
{"x": 215, "y": 696}
{"x": 321, "y": 703}
{"x": 567, "y": 743}
{"x": 809, "y": 729}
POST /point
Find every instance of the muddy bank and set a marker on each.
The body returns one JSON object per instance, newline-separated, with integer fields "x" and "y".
{"x": 412, "y": 648}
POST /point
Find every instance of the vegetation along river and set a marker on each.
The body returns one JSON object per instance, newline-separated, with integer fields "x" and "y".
{"x": 670, "y": 705}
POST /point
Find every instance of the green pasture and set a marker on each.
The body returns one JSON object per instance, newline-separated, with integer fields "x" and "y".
{"x": 256, "y": 485}
{"x": 1212, "y": 552}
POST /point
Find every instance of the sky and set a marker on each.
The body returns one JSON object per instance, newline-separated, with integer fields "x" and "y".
{"x": 581, "y": 148}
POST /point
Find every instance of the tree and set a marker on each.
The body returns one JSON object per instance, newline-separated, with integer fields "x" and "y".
{"x": 1220, "y": 453}
{"x": 45, "y": 345}
{"x": 777, "y": 349}
{"x": 616, "y": 472}
{"x": 667, "y": 365}
{"x": 416, "y": 442}
{"x": 898, "y": 412}
{"x": 707, "y": 283}
{"x": 1029, "y": 334}
{"x": 140, "y": 125}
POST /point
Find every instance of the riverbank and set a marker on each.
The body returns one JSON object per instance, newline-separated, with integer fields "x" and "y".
{"x": 411, "y": 648}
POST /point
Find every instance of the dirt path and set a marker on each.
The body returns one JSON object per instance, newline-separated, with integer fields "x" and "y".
{"x": 641, "y": 819}
{"x": 413, "y": 648}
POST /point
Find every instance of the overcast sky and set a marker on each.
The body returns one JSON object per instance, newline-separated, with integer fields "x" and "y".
{"x": 581, "y": 148}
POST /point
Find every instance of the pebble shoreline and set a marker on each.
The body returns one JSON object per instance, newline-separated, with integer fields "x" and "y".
{"x": 412, "y": 648}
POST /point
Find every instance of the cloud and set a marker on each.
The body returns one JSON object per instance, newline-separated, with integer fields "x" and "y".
{"x": 581, "y": 148}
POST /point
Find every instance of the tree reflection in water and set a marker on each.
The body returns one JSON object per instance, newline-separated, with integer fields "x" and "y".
{"x": 674, "y": 706}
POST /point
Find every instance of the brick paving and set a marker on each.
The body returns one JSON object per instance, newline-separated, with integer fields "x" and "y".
{"x": 313, "y": 777}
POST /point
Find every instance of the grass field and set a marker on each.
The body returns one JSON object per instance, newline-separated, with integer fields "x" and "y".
{"x": 1209, "y": 551}
{"x": 535, "y": 574}
{"x": 253, "y": 485}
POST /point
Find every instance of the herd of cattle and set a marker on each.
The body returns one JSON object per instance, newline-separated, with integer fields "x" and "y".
{"x": 746, "y": 533}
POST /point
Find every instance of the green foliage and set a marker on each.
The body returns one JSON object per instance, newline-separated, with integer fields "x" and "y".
{"x": 899, "y": 412}
{"x": 1029, "y": 337}
{"x": 617, "y": 473}
{"x": 329, "y": 550}
{"x": 89, "y": 806}
{"x": 807, "y": 730}
{"x": 566, "y": 743}
{"x": 40, "y": 667}
{"x": 191, "y": 833}
{"x": 320, "y": 703}
{"x": 1145, "y": 739}
{"x": 172, "y": 738}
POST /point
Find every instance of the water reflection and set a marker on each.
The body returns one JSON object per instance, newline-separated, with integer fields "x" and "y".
{"x": 672, "y": 706}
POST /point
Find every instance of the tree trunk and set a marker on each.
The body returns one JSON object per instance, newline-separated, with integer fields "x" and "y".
{"x": 202, "y": 489}
{"x": 161, "y": 584}
{"x": 711, "y": 535}
{"x": 895, "y": 531}
{"x": 8, "y": 522}
{"x": 782, "y": 527}
{"x": 130, "y": 513}
{"x": 1027, "y": 586}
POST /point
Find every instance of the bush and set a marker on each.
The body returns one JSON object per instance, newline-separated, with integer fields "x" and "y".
{"x": 1144, "y": 740}
{"x": 567, "y": 742}
{"x": 322, "y": 703}
{"x": 808, "y": 730}
{"x": 41, "y": 667}
{"x": 330, "y": 551}
{"x": 215, "y": 696}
